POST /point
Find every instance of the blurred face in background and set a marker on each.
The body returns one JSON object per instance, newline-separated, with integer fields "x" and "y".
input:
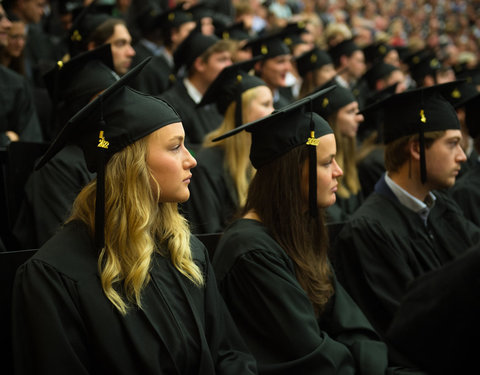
{"x": 16, "y": 39}
{"x": 32, "y": 10}
{"x": 122, "y": 50}
{"x": 5, "y": 25}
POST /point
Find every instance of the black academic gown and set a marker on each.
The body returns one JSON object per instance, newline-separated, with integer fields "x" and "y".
{"x": 370, "y": 170}
{"x": 156, "y": 76}
{"x": 197, "y": 122}
{"x": 466, "y": 192}
{"x": 274, "y": 314}
{"x": 213, "y": 197}
{"x": 437, "y": 323}
{"x": 385, "y": 246}
{"x": 49, "y": 196}
{"x": 64, "y": 324}
{"x": 344, "y": 207}
{"x": 17, "y": 109}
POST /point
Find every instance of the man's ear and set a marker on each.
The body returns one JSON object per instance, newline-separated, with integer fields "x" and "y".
{"x": 199, "y": 65}
{"x": 414, "y": 148}
{"x": 258, "y": 66}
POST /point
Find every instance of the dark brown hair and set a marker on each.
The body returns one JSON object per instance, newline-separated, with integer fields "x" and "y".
{"x": 275, "y": 194}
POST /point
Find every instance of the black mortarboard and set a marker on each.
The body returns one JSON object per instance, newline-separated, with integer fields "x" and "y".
{"x": 293, "y": 32}
{"x": 117, "y": 118}
{"x": 465, "y": 94}
{"x": 271, "y": 45}
{"x": 311, "y": 60}
{"x": 344, "y": 48}
{"x": 229, "y": 86}
{"x": 422, "y": 65}
{"x": 332, "y": 101}
{"x": 283, "y": 130}
{"x": 234, "y": 31}
{"x": 75, "y": 82}
{"x": 149, "y": 18}
{"x": 470, "y": 75}
{"x": 373, "y": 118}
{"x": 175, "y": 17}
{"x": 379, "y": 70}
{"x": 416, "y": 112}
{"x": 83, "y": 25}
{"x": 192, "y": 47}
{"x": 460, "y": 94}
{"x": 376, "y": 52}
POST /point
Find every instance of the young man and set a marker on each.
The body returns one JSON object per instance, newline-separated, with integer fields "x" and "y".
{"x": 114, "y": 31}
{"x": 172, "y": 27}
{"x": 276, "y": 64}
{"x": 406, "y": 227}
{"x": 349, "y": 62}
{"x": 203, "y": 57}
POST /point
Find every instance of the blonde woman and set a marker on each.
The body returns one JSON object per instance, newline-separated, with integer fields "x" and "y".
{"x": 224, "y": 170}
{"x": 340, "y": 109}
{"x": 124, "y": 288}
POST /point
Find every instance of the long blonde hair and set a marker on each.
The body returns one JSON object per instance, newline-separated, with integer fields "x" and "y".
{"x": 136, "y": 226}
{"x": 346, "y": 159}
{"x": 237, "y": 148}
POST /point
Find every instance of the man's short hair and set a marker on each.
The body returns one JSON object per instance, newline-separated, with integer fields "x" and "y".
{"x": 397, "y": 152}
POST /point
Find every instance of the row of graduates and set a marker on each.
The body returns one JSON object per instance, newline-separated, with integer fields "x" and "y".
{"x": 130, "y": 288}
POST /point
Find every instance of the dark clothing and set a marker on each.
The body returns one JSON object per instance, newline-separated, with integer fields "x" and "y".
{"x": 281, "y": 101}
{"x": 437, "y": 322}
{"x": 155, "y": 78}
{"x": 275, "y": 316}
{"x": 17, "y": 109}
{"x": 370, "y": 170}
{"x": 213, "y": 197}
{"x": 466, "y": 192}
{"x": 344, "y": 207}
{"x": 197, "y": 122}
{"x": 64, "y": 324}
{"x": 49, "y": 196}
{"x": 385, "y": 246}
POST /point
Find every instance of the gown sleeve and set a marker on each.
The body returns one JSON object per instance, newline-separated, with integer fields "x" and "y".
{"x": 230, "y": 352}
{"x": 45, "y": 316}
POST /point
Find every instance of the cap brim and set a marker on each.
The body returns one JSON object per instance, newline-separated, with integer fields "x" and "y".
{"x": 276, "y": 113}
{"x": 73, "y": 124}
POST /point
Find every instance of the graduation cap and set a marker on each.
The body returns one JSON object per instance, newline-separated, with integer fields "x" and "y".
{"x": 470, "y": 75}
{"x": 116, "y": 118}
{"x": 271, "y": 45}
{"x": 149, "y": 18}
{"x": 311, "y": 60}
{"x": 378, "y": 71}
{"x": 376, "y": 52}
{"x": 175, "y": 17}
{"x": 423, "y": 64}
{"x": 344, "y": 48}
{"x": 416, "y": 112}
{"x": 332, "y": 101}
{"x": 283, "y": 130}
{"x": 229, "y": 86}
{"x": 293, "y": 32}
{"x": 83, "y": 25}
{"x": 75, "y": 82}
{"x": 465, "y": 94}
{"x": 234, "y": 31}
{"x": 460, "y": 94}
{"x": 373, "y": 118}
{"x": 193, "y": 46}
